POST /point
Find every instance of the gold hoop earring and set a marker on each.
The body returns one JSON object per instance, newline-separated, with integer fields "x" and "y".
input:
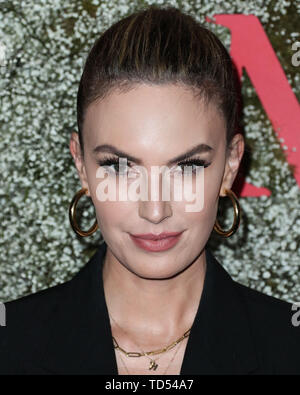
{"x": 237, "y": 216}
{"x": 72, "y": 215}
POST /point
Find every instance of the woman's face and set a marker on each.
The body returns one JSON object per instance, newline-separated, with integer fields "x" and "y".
{"x": 155, "y": 124}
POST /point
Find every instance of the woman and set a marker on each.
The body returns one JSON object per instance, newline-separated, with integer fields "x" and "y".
{"x": 157, "y": 89}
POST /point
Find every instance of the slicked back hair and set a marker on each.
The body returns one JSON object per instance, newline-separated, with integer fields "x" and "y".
{"x": 160, "y": 45}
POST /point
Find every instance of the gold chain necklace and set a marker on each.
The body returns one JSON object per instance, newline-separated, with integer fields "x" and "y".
{"x": 155, "y": 368}
{"x": 153, "y": 365}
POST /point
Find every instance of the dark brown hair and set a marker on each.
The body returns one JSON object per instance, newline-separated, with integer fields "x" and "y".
{"x": 160, "y": 45}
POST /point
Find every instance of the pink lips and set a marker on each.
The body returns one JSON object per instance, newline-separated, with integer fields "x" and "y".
{"x": 153, "y": 242}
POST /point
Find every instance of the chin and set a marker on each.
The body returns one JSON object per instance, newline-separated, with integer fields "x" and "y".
{"x": 159, "y": 272}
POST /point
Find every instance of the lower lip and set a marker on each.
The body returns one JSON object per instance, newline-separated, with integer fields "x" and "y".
{"x": 156, "y": 245}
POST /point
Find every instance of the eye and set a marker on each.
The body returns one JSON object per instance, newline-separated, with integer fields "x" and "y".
{"x": 113, "y": 163}
{"x": 194, "y": 163}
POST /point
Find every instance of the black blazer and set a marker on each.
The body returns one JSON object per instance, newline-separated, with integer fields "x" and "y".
{"x": 65, "y": 329}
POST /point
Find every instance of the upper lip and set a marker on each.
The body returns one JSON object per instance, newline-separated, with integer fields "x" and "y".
{"x": 152, "y": 236}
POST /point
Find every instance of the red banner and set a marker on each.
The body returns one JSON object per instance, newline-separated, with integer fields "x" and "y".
{"x": 252, "y": 50}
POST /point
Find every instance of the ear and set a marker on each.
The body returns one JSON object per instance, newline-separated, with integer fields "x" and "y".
{"x": 79, "y": 160}
{"x": 234, "y": 156}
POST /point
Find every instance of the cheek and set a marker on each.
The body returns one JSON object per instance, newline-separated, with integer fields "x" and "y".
{"x": 110, "y": 214}
{"x": 211, "y": 193}
{"x": 205, "y": 218}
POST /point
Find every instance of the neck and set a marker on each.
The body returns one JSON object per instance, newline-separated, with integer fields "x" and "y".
{"x": 148, "y": 308}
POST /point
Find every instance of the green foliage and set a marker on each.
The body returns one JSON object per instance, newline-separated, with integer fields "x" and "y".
{"x": 47, "y": 42}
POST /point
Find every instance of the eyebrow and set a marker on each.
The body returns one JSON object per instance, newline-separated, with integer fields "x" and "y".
{"x": 197, "y": 149}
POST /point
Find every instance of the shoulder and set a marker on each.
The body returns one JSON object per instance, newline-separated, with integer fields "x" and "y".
{"x": 254, "y": 324}
{"x": 28, "y": 310}
{"x": 50, "y": 322}
{"x": 31, "y": 308}
{"x": 264, "y": 306}
{"x": 275, "y": 328}
{"x": 31, "y": 320}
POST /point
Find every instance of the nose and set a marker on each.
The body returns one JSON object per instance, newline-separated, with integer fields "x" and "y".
{"x": 155, "y": 212}
{"x": 155, "y": 209}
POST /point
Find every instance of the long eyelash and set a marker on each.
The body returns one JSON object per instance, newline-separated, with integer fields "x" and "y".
{"x": 194, "y": 162}
{"x": 110, "y": 160}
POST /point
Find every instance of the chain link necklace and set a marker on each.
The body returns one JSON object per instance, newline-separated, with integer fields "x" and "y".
{"x": 164, "y": 373}
{"x": 153, "y": 362}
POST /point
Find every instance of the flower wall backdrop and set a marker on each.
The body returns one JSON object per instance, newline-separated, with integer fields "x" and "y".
{"x": 43, "y": 46}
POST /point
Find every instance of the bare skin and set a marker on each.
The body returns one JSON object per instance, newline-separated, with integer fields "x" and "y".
{"x": 154, "y": 296}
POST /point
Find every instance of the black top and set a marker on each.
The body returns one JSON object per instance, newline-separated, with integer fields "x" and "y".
{"x": 65, "y": 329}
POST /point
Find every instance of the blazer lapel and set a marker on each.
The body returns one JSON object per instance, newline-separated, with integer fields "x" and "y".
{"x": 81, "y": 342}
{"x": 220, "y": 341}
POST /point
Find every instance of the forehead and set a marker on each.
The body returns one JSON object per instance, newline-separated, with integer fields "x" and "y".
{"x": 158, "y": 118}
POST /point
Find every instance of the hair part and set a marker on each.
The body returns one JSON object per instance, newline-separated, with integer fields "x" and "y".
{"x": 160, "y": 45}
